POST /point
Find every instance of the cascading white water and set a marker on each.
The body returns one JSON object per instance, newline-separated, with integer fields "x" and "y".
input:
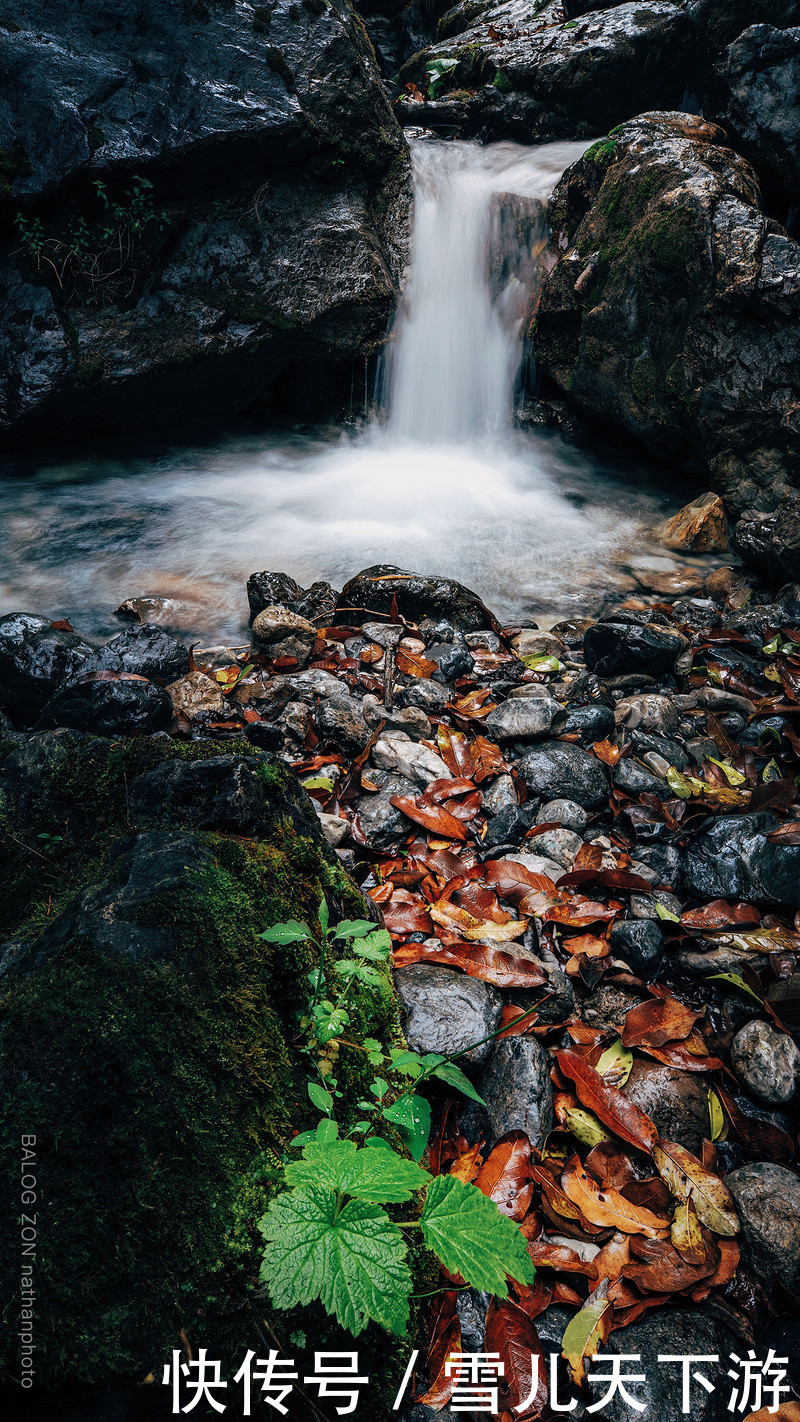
{"x": 442, "y": 482}
{"x": 457, "y": 339}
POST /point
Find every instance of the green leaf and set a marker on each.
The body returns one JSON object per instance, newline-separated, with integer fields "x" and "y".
{"x": 376, "y": 946}
{"x": 684, "y": 786}
{"x": 665, "y": 913}
{"x": 736, "y": 981}
{"x": 297, "y": 1142}
{"x": 371, "y": 1044}
{"x": 412, "y": 1117}
{"x": 455, "y": 1077}
{"x": 615, "y": 1064}
{"x": 353, "y": 1260}
{"x": 323, "y": 916}
{"x": 289, "y": 932}
{"x": 354, "y": 928}
{"x": 465, "y": 1229}
{"x": 321, "y": 1098}
{"x": 326, "y": 1132}
{"x": 382, "y": 1177}
{"x": 410, "y": 1063}
{"x": 541, "y": 663}
{"x": 733, "y": 776}
{"x": 586, "y": 1331}
{"x": 716, "y": 1119}
{"x": 318, "y": 782}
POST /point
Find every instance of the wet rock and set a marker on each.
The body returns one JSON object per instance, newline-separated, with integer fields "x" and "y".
{"x": 418, "y": 596}
{"x": 445, "y": 1011}
{"x": 734, "y": 857}
{"x": 697, "y": 612}
{"x": 647, "y": 713}
{"x": 516, "y": 1088}
{"x": 766, "y": 1061}
{"x": 295, "y": 721}
{"x": 614, "y": 647}
{"x": 273, "y": 235}
{"x": 409, "y": 719}
{"x": 509, "y": 826}
{"x": 395, "y": 751}
{"x": 453, "y": 659}
{"x": 35, "y": 659}
{"x": 123, "y": 707}
{"x": 335, "y": 829}
{"x": 676, "y": 1100}
{"x": 699, "y": 527}
{"x": 767, "y": 1199}
{"x": 522, "y": 719}
{"x": 559, "y": 770}
{"x": 563, "y": 812}
{"x": 537, "y": 864}
{"x": 500, "y": 794}
{"x": 668, "y": 1333}
{"x": 635, "y": 780}
{"x": 532, "y": 643}
{"x": 760, "y": 77}
{"x": 671, "y": 274}
{"x": 607, "y": 1006}
{"x": 429, "y": 696}
{"x": 386, "y": 634}
{"x": 644, "y": 743}
{"x": 146, "y": 650}
{"x": 280, "y": 633}
{"x": 562, "y": 845}
{"x": 271, "y": 590}
{"x": 196, "y": 694}
{"x": 340, "y": 720}
{"x": 591, "y": 723}
{"x": 641, "y": 943}
{"x": 381, "y": 823}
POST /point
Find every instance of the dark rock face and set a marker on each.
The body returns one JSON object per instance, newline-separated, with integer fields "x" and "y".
{"x": 123, "y": 707}
{"x": 146, "y": 650}
{"x": 236, "y": 269}
{"x": 669, "y": 284}
{"x": 445, "y": 1011}
{"x": 559, "y": 770}
{"x": 767, "y": 1197}
{"x": 771, "y": 543}
{"x": 617, "y": 647}
{"x": 735, "y": 857}
{"x": 35, "y": 659}
{"x": 340, "y": 720}
{"x": 516, "y": 1088}
{"x": 538, "y": 79}
{"x": 418, "y": 596}
{"x": 760, "y": 72}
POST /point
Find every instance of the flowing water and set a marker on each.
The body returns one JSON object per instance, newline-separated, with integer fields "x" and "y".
{"x": 440, "y": 481}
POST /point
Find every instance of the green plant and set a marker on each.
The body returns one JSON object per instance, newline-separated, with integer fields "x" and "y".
{"x": 437, "y": 71}
{"x": 327, "y": 1237}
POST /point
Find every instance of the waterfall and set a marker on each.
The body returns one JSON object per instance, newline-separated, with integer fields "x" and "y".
{"x": 479, "y": 230}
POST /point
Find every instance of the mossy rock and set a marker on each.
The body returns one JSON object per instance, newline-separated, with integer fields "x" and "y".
{"x": 147, "y": 1041}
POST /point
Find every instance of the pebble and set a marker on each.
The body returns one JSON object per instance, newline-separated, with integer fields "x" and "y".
{"x": 767, "y": 1197}
{"x": 395, "y": 751}
{"x": 517, "y": 1091}
{"x": 340, "y": 721}
{"x": 280, "y": 633}
{"x": 501, "y": 794}
{"x": 562, "y": 845}
{"x": 766, "y": 1061}
{"x": 563, "y": 812}
{"x": 559, "y": 770}
{"x": 196, "y": 693}
{"x": 445, "y": 1011}
{"x": 520, "y": 719}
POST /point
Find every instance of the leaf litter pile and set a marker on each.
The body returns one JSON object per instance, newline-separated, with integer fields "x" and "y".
{"x": 601, "y": 825}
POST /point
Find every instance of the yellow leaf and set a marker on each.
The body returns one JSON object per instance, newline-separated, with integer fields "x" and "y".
{"x": 586, "y": 1331}
{"x": 716, "y": 1118}
{"x": 687, "y": 1178}
{"x": 615, "y": 1064}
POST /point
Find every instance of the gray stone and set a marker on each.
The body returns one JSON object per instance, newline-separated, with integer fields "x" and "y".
{"x": 676, "y": 1100}
{"x": 516, "y": 1088}
{"x": 669, "y": 1333}
{"x": 647, "y": 713}
{"x": 445, "y": 1011}
{"x": 557, "y": 770}
{"x": 563, "y": 812}
{"x": 562, "y": 845}
{"x": 280, "y": 633}
{"x": 501, "y": 794}
{"x": 767, "y": 1197}
{"x": 382, "y": 824}
{"x": 522, "y": 719}
{"x": 766, "y": 1061}
{"x": 734, "y": 858}
{"x": 532, "y": 643}
{"x": 410, "y": 719}
{"x": 395, "y": 751}
{"x": 339, "y": 719}
{"x": 427, "y": 695}
{"x": 635, "y": 779}
{"x": 146, "y": 650}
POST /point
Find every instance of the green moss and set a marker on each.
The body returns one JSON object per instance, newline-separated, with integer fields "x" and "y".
{"x": 502, "y": 82}
{"x": 262, "y": 19}
{"x": 162, "y": 1096}
{"x": 644, "y": 380}
{"x": 275, "y": 59}
{"x": 602, "y": 153}
{"x": 95, "y": 137}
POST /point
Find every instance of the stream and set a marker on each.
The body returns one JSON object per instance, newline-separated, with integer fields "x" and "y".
{"x": 439, "y": 479}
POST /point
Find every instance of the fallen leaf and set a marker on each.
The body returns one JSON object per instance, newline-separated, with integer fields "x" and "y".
{"x": 607, "y": 1207}
{"x": 720, "y": 914}
{"x": 510, "y": 1332}
{"x": 621, "y": 1115}
{"x": 477, "y": 960}
{"x": 788, "y": 833}
{"x": 686, "y": 1234}
{"x": 433, "y": 817}
{"x": 657, "y": 1021}
{"x": 444, "y": 1345}
{"x": 585, "y": 1333}
{"x": 687, "y": 1178}
{"x": 476, "y": 930}
{"x": 606, "y": 751}
{"x": 615, "y": 1064}
{"x": 466, "y": 1166}
{"x": 785, "y": 1412}
{"x": 505, "y": 1176}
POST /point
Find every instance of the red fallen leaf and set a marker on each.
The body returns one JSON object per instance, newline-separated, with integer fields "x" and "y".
{"x": 506, "y": 875}
{"x": 610, "y": 1165}
{"x": 487, "y": 759}
{"x": 413, "y": 665}
{"x": 515, "y": 1021}
{"x": 371, "y": 653}
{"x": 286, "y": 663}
{"x": 381, "y": 894}
{"x": 720, "y": 914}
{"x": 466, "y": 808}
{"x": 675, "y": 1054}
{"x": 466, "y": 1166}
{"x": 445, "y": 1342}
{"x": 788, "y": 833}
{"x": 615, "y": 1110}
{"x": 440, "y": 861}
{"x": 224, "y": 726}
{"x": 453, "y": 747}
{"x": 584, "y": 1035}
{"x": 589, "y": 856}
{"x": 505, "y": 1175}
{"x": 559, "y": 1257}
{"x": 563, "y": 1294}
{"x": 652, "y": 1194}
{"x": 511, "y": 1332}
{"x": 669, "y": 1273}
{"x": 250, "y": 715}
{"x": 578, "y": 913}
{"x": 339, "y": 634}
{"x": 406, "y": 914}
{"x": 657, "y": 1021}
{"x": 534, "y": 1299}
{"x": 606, "y": 751}
{"x": 433, "y": 817}
{"x": 607, "y": 878}
{"x": 440, "y": 790}
{"x": 109, "y": 676}
{"x": 63, "y": 625}
{"x": 477, "y": 960}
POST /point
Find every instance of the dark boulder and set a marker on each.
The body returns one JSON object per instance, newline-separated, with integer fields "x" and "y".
{"x": 760, "y": 76}
{"x": 591, "y": 723}
{"x": 614, "y": 647}
{"x": 279, "y": 590}
{"x": 35, "y": 658}
{"x": 254, "y": 178}
{"x": 735, "y": 858}
{"x": 125, "y": 706}
{"x": 145, "y": 650}
{"x": 671, "y": 310}
{"x": 641, "y": 943}
{"x": 771, "y": 543}
{"x": 557, "y": 770}
{"x": 418, "y": 596}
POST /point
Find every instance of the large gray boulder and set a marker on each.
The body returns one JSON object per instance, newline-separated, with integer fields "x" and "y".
{"x": 251, "y": 217}
{"x": 767, "y": 1199}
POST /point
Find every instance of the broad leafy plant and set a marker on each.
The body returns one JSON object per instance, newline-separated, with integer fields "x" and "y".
{"x": 328, "y": 1236}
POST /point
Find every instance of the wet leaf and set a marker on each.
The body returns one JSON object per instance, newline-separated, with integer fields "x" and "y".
{"x": 686, "y": 1234}
{"x": 510, "y": 1332}
{"x": 506, "y": 1176}
{"x": 615, "y": 1064}
{"x": 444, "y": 1344}
{"x": 716, "y": 1119}
{"x": 606, "y": 751}
{"x": 719, "y": 914}
{"x": 687, "y": 1178}
{"x": 477, "y": 960}
{"x": 587, "y": 1331}
{"x": 476, "y": 930}
{"x": 466, "y": 1166}
{"x": 607, "y": 1207}
{"x": 584, "y": 1126}
{"x": 487, "y": 759}
{"x": 433, "y": 817}
{"x": 412, "y": 665}
{"x": 785, "y": 1412}
{"x": 657, "y": 1021}
{"x": 615, "y": 1110}
{"x": 788, "y": 834}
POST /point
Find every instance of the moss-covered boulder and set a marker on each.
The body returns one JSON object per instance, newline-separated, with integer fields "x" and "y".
{"x": 671, "y": 310}
{"x": 147, "y": 1039}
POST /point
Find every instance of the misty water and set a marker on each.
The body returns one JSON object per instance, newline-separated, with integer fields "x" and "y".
{"x": 439, "y": 480}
